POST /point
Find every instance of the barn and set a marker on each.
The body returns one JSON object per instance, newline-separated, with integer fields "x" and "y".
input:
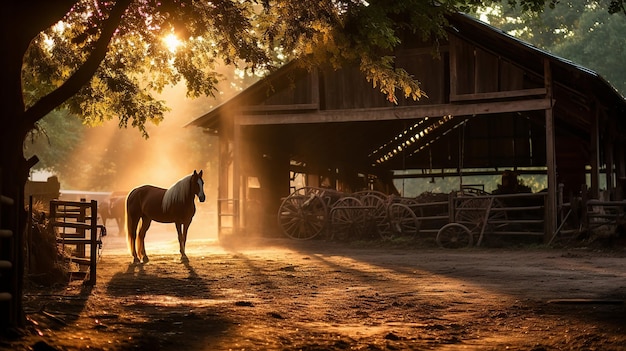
{"x": 494, "y": 104}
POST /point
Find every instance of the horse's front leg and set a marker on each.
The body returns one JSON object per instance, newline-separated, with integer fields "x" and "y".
{"x": 181, "y": 228}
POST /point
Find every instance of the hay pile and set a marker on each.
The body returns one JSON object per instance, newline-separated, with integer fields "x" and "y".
{"x": 45, "y": 260}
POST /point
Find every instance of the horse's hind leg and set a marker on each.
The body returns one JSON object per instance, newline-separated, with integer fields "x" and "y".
{"x": 141, "y": 246}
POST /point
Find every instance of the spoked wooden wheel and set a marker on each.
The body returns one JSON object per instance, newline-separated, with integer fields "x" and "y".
{"x": 472, "y": 212}
{"x": 377, "y": 214}
{"x": 302, "y": 216}
{"x": 454, "y": 236}
{"x": 347, "y": 218}
{"x": 402, "y": 220}
{"x": 481, "y": 215}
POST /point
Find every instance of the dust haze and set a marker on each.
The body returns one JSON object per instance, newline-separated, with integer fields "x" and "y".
{"x": 117, "y": 160}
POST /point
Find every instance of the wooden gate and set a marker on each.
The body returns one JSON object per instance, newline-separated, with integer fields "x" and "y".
{"x": 77, "y": 226}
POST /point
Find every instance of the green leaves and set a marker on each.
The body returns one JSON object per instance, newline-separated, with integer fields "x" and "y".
{"x": 253, "y": 35}
{"x": 389, "y": 79}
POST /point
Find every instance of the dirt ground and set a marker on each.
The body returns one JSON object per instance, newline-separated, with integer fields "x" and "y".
{"x": 283, "y": 294}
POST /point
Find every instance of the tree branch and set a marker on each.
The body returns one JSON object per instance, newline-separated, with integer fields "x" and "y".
{"x": 83, "y": 74}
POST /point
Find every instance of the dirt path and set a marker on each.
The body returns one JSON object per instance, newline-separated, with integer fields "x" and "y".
{"x": 287, "y": 295}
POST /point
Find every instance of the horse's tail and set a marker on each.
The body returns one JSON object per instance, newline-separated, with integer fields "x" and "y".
{"x": 131, "y": 233}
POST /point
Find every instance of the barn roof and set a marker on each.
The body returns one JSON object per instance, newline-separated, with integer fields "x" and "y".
{"x": 312, "y": 131}
{"x": 565, "y": 72}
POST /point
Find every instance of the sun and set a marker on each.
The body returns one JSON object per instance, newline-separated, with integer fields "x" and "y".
{"x": 172, "y": 42}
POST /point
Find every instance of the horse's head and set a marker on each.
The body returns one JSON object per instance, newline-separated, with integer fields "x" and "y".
{"x": 197, "y": 185}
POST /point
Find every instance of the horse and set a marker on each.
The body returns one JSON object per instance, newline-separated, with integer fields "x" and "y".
{"x": 174, "y": 205}
{"x": 115, "y": 209}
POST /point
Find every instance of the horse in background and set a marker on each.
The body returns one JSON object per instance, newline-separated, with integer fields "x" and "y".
{"x": 174, "y": 205}
{"x": 113, "y": 209}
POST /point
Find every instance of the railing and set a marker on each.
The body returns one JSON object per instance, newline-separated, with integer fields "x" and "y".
{"x": 604, "y": 214}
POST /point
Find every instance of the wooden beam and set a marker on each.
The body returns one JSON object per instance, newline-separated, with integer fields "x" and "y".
{"x": 396, "y": 113}
{"x": 498, "y": 94}
{"x": 278, "y": 108}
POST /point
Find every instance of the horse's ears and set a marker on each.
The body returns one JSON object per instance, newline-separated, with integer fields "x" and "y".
{"x": 200, "y": 174}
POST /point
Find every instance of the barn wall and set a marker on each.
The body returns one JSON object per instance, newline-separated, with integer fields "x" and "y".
{"x": 294, "y": 88}
{"x": 348, "y": 89}
{"x": 479, "y": 71}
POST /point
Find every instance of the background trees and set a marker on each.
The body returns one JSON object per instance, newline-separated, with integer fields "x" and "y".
{"x": 582, "y": 31}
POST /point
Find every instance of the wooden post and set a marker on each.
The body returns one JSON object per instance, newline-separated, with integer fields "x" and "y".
{"x": 237, "y": 183}
{"x": 550, "y": 222}
{"x": 93, "y": 254}
{"x": 583, "y": 206}
{"x": 620, "y": 176}
{"x": 223, "y": 182}
{"x": 609, "y": 161}
{"x": 595, "y": 156}
{"x": 82, "y": 218}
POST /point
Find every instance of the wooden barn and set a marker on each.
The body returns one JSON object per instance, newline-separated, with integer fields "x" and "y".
{"x": 494, "y": 103}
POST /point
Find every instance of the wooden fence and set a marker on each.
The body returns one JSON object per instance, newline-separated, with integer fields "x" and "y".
{"x": 77, "y": 227}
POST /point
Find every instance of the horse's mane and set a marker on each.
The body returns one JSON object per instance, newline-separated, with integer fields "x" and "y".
{"x": 177, "y": 194}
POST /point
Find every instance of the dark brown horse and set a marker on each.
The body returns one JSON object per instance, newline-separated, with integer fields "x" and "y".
{"x": 174, "y": 205}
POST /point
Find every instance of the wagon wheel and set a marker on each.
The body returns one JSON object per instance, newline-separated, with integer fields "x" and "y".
{"x": 454, "y": 236}
{"x": 477, "y": 213}
{"x": 329, "y": 196}
{"x": 471, "y": 212}
{"x": 347, "y": 218}
{"x": 377, "y": 214}
{"x": 402, "y": 220}
{"x": 302, "y": 217}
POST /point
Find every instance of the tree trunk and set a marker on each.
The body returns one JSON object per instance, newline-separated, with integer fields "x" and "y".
{"x": 19, "y": 24}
